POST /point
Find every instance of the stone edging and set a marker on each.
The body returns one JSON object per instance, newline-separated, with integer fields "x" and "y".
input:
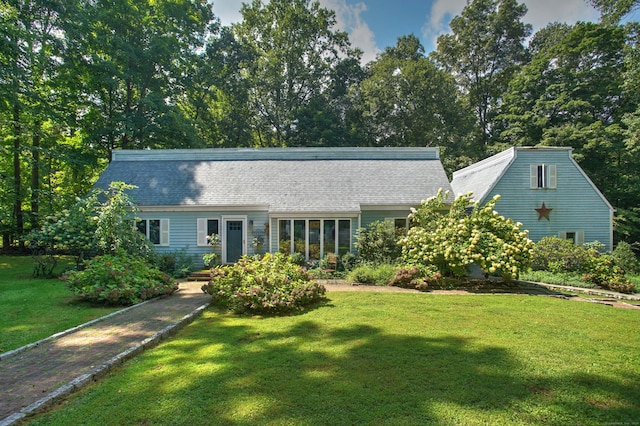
{"x": 591, "y": 291}
{"x": 21, "y": 349}
{"x": 101, "y": 370}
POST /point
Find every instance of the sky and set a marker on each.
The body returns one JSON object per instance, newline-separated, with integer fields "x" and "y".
{"x": 373, "y": 25}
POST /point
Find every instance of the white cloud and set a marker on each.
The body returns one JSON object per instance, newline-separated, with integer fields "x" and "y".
{"x": 348, "y": 19}
{"x": 438, "y": 20}
{"x": 228, "y": 11}
{"x": 542, "y": 12}
{"x": 539, "y": 14}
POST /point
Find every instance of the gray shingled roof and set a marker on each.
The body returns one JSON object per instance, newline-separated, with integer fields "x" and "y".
{"x": 482, "y": 176}
{"x": 280, "y": 180}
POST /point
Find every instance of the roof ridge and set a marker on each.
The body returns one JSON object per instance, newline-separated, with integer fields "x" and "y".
{"x": 489, "y": 161}
{"x": 280, "y": 154}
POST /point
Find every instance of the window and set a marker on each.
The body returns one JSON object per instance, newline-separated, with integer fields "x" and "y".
{"x": 206, "y": 227}
{"x": 543, "y": 176}
{"x": 156, "y": 230}
{"x": 577, "y": 237}
{"x": 400, "y": 223}
{"x": 314, "y": 238}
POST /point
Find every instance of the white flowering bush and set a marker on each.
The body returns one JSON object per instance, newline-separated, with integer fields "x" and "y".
{"x": 453, "y": 238}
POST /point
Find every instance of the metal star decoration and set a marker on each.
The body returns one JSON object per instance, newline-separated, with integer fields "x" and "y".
{"x": 543, "y": 212}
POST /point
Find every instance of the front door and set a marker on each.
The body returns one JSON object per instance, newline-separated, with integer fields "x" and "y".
{"x": 235, "y": 240}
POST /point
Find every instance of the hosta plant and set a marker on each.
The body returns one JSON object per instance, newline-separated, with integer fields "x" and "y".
{"x": 271, "y": 284}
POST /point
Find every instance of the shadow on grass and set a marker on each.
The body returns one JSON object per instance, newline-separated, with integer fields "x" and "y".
{"x": 228, "y": 373}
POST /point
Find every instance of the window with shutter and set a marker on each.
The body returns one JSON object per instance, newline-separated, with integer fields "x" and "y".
{"x": 156, "y": 230}
{"x": 206, "y": 227}
{"x": 543, "y": 176}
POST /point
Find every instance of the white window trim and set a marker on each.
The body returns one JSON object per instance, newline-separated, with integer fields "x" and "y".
{"x": 393, "y": 220}
{"x": 202, "y": 235}
{"x": 323, "y": 252}
{"x": 164, "y": 231}
{"x": 549, "y": 176}
{"x": 579, "y": 236}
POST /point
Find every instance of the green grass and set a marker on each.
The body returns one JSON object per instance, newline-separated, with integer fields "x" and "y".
{"x": 32, "y": 309}
{"x": 383, "y": 358}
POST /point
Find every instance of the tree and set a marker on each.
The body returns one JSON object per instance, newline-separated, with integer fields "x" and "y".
{"x": 129, "y": 57}
{"x": 30, "y": 47}
{"x": 407, "y": 101}
{"x": 612, "y": 11}
{"x": 293, "y": 55}
{"x": 483, "y": 51}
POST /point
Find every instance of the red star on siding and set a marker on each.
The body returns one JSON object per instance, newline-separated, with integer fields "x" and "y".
{"x": 543, "y": 212}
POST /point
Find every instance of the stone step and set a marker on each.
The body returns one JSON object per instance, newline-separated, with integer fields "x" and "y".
{"x": 199, "y": 276}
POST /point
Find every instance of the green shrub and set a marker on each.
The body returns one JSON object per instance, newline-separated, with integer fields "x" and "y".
{"x": 272, "y": 284}
{"x": 378, "y": 243}
{"x": 604, "y": 273}
{"x": 119, "y": 280}
{"x": 556, "y": 254}
{"x": 349, "y": 261}
{"x": 297, "y": 258}
{"x": 178, "y": 263}
{"x": 372, "y": 274}
{"x": 625, "y": 258}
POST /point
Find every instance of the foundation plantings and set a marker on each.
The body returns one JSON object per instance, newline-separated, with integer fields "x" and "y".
{"x": 270, "y": 284}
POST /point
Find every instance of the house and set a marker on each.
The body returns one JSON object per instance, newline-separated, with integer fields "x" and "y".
{"x": 307, "y": 200}
{"x": 545, "y": 189}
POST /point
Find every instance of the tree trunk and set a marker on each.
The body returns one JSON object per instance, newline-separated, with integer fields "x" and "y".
{"x": 35, "y": 177}
{"x": 17, "y": 177}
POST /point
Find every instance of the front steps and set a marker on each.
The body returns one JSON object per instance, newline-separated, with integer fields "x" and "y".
{"x": 199, "y": 276}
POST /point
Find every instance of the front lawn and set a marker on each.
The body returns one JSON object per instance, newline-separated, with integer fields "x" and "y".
{"x": 32, "y": 309}
{"x": 383, "y": 358}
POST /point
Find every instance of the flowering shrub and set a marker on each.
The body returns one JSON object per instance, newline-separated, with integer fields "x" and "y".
{"x": 272, "y": 284}
{"x": 101, "y": 223}
{"x": 419, "y": 278}
{"x": 119, "y": 280}
{"x": 452, "y": 239}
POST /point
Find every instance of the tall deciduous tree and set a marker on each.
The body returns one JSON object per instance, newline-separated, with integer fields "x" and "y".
{"x": 30, "y": 48}
{"x": 612, "y": 11}
{"x": 485, "y": 47}
{"x": 294, "y": 53}
{"x": 574, "y": 94}
{"x": 408, "y": 101}
{"x": 130, "y": 56}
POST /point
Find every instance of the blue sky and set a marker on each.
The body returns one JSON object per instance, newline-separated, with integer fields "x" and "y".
{"x": 375, "y": 24}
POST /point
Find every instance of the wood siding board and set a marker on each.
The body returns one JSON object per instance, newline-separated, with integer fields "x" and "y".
{"x": 576, "y": 203}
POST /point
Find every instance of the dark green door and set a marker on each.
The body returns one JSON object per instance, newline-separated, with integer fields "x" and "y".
{"x": 234, "y": 240}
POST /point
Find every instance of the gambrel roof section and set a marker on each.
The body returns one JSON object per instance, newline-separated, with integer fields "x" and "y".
{"x": 482, "y": 176}
{"x": 281, "y": 180}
